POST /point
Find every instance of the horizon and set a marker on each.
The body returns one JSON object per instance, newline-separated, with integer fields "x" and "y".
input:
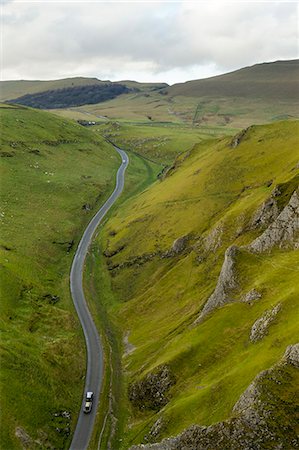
{"x": 117, "y": 80}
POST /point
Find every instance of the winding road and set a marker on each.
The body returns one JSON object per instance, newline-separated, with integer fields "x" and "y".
{"x": 94, "y": 369}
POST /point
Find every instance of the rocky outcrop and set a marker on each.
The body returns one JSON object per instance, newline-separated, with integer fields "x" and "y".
{"x": 291, "y": 355}
{"x": 251, "y": 296}
{"x": 24, "y": 438}
{"x": 226, "y": 283}
{"x": 155, "y": 431}
{"x": 283, "y": 232}
{"x": 262, "y": 418}
{"x": 214, "y": 239}
{"x": 151, "y": 391}
{"x": 238, "y": 138}
{"x": 266, "y": 213}
{"x": 260, "y": 327}
{"x": 179, "y": 245}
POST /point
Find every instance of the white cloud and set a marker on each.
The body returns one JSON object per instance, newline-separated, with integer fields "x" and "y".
{"x": 165, "y": 41}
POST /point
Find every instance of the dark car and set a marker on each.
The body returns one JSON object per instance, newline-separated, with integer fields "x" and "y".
{"x": 88, "y": 402}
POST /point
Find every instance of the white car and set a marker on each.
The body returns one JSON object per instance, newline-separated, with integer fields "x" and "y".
{"x": 88, "y": 402}
{"x": 124, "y": 160}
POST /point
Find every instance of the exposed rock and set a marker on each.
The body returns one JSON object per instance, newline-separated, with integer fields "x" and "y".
{"x": 266, "y": 213}
{"x": 179, "y": 245}
{"x": 238, "y": 138}
{"x": 291, "y": 355}
{"x": 24, "y": 437}
{"x": 51, "y": 299}
{"x": 155, "y": 431}
{"x": 87, "y": 207}
{"x": 283, "y": 231}
{"x": 262, "y": 418}
{"x": 109, "y": 253}
{"x": 260, "y": 327}
{"x": 129, "y": 348}
{"x": 225, "y": 285}
{"x": 251, "y": 296}
{"x": 213, "y": 240}
{"x": 150, "y": 392}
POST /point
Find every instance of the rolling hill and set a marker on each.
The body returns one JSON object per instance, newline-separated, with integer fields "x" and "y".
{"x": 209, "y": 299}
{"x": 54, "y": 173}
{"x": 269, "y": 81}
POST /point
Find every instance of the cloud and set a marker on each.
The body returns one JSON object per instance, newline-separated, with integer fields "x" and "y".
{"x": 143, "y": 40}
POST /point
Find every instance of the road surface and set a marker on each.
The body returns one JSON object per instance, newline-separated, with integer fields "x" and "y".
{"x": 94, "y": 369}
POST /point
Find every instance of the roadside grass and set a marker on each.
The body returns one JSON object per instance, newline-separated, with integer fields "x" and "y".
{"x": 212, "y": 194}
{"x": 51, "y": 168}
{"x": 108, "y": 430}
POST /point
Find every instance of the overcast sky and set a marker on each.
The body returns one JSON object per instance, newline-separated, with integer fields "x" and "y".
{"x": 145, "y": 41}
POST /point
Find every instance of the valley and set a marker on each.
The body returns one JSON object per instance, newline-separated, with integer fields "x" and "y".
{"x": 191, "y": 278}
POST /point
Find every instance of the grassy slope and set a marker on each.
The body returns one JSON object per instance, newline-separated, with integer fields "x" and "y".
{"x": 140, "y": 174}
{"x": 16, "y": 88}
{"x": 252, "y": 95}
{"x": 157, "y": 141}
{"x": 50, "y": 169}
{"x": 157, "y": 301}
{"x": 272, "y": 81}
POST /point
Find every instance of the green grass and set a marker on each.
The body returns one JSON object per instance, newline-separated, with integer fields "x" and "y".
{"x": 214, "y": 188}
{"x": 139, "y": 176}
{"x": 50, "y": 169}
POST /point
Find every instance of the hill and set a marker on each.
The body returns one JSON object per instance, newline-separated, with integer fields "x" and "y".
{"x": 17, "y": 88}
{"x": 209, "y": 299}
{"x": 54, "y": 174}
{"x": 259, "y": 94}
{"x": 270, "y": 81}
{"x": 72, "y": 96}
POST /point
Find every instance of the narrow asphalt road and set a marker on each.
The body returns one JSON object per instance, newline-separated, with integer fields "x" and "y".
{"x": 94, "y": 369}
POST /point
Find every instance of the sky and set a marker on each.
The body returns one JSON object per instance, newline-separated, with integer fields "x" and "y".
{"x": 158, "y": 41}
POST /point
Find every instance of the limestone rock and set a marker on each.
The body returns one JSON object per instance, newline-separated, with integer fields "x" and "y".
{"x": 238, "y": 138}
{"x": 291, "y": 355}
{"x": 226, "y": 283}
{"x": 24, "y": 437}
{"x": 179, "y": 245}
{"x": 213, "y": 241}
{"x": 251, "y": 296}
{"x": 155, "y": 430}
{"x": 151, "y": 391}
{"x": 262, "y": 419}
{"x": 260, "y": 327}
{"x": 283, "y": 231}
{"x": 266, "y": 214}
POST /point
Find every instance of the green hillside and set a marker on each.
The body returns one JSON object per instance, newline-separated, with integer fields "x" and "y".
{"x": 162, "y": 253}
{"x": 17, "y": 88}
{"x": 259, "y": 94}
{"x": 54, "y": 174}
{"x": 272, "y": 81}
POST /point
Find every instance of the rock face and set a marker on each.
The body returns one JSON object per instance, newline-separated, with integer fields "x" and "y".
{"x": 151, "y": 391}
{"x": 266, "y": 214}
{"x": 179, "y": 245}
{"x": 291, "y": 355}
{"x": 260, "y": 327}
{"x": 225, "y": 284}
{"x": 251, "y": 296}
{"x": 238, "y": 138}
{"x": 262, "y": 418}
{"x": 283, "y": 231}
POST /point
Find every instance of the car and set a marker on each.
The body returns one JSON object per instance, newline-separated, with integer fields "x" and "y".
{"x": 88, "y": 402}
{"x": 124, "y": 160}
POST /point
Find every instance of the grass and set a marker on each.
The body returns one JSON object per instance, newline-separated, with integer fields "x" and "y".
{"x": 50, "y": 169}
{"x": 139, "y": 175}
{"x": 215, "y": 189}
